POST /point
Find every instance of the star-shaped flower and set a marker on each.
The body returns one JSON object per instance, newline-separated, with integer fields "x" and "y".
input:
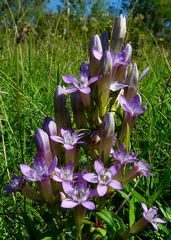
{"x": 69, "y": 138}
{"x": 104, "y": 178}
{"x": 150, "y": 215}
{"x": 82, "y": 83}
{"x": 39, "y": 171}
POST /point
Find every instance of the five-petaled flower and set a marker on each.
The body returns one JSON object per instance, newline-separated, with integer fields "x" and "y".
{"x": 133, "y": 107}
{"x": 78, "y": 195}
{"x": 150, "y": 215}
{"x": 82, "y": 83}
{"x": 65, "y": 174}
{"x": 69, "y": 138}
{"x": 122, "y": 157}
{"x": 104, "y": 178}
{"x": 40, "y": 170}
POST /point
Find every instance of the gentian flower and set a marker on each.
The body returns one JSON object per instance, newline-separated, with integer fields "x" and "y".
{"x": 40, "y": 170}
{"x": 133, "y": 107}
{"x": 104, "y": 178}
{"x": 69, "y": 138}
{"x": 65, "y": 174}
{"x": 140, "y": 168}
{"x": 15, "y": 184}
{"x": 122, "y": 156}
{"x": 150, "y": 215}
{"x": 82, "y": 83}
{"x": 78, "y": 195}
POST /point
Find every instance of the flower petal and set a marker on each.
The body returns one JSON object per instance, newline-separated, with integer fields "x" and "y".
{"x": 68, "y": 146}
{"x": 113, "y": 170}
{"x": 68, "y": 203}
{"x": 89, "y": 205}
{"x": 56, "y": 178}
{"x": 155, "y": 226}
{"x": 97, "y": 54}
{"x": 91, "y": 177}
{"x": 69, "y": 79}
{"x": 57, "y": 139}
{"x": 143, "y": 205}
{"x": 115, "y": 184}
{"x": 101, "y": 190}
{"x": 94, "y": 79}
{"x": 143, "y": 74}
{"x": 29, "y": 173}
{"x": 52, "y": 166}
{"x": 117, "y": 86}
{"x": 85, "y": 90}
{"x": 159, "y": 220}
{"x": 98, "y": 165}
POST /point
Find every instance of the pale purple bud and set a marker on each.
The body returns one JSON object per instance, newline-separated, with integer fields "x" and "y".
{"x": 49, "y": 126}
{"x": 127, "y": 52}
{"x": 106, "y": 136}
{"x": 107, "y": 63}
{"x": 104, "y": 82}
{"x": 118, "y": 34}
{"x": 96, "y": 52}
{"x": 42, "y": 141}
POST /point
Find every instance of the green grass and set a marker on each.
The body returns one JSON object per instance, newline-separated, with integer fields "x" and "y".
{"x": 29, "y": 73}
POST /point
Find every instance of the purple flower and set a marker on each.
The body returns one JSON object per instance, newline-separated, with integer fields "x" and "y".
{"x": 150, "y": 215}
{"x": 78, "y": 195}
{"x": 15, "y": 184}
{"x": 39, "y": 171}
{"x": 122, "y": 156}
{"x": 69, "y": 138}
{"x": 142, "y": 168}
{"x": 133, "y": 107}
{"x": 104, "y": 178}
{"x": 82, "y": 83}
{"x": 65, "y": 174}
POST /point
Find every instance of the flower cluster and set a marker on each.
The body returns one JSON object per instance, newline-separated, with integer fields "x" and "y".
{"x": 105, "y": 85}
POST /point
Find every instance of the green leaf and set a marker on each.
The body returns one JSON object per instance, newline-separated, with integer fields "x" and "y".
{"x": 131, "y": 212}
{"x": 138, "y": 196}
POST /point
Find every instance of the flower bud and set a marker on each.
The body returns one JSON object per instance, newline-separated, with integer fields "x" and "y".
{"x": 96, "y": 52}
{"x": 106, "y": 136}
{"x": 42, "y": 141}
{"x": 43, "y": 145}
{"x": 132, "y": 82}
{"x": 62, "y": 116}
{"x": 49, "y": 126}
{"x": 104, "y": 82}
{"x": 118, "y": 34}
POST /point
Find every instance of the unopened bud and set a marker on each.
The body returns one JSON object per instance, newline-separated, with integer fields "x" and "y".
{"x": 96, "y": 52}
{"x": 118, "y": 34}
{"x": 106, "y": 136}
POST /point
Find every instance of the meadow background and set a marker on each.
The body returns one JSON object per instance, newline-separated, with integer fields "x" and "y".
{"x": 42, "y": 40}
